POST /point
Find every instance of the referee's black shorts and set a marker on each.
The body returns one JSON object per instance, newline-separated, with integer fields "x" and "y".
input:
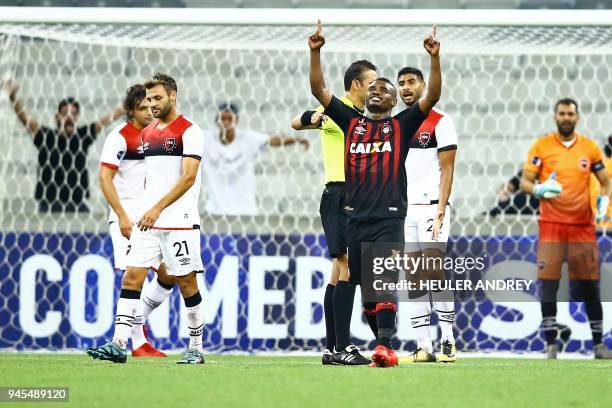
{"x": 333, "y": 217}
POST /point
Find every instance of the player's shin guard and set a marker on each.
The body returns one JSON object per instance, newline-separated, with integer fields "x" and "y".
{"x": 124, "y": 318}
{"x": 328, "y": 308}
{"x": 195, "y": 321}
{"x": 592, "y": 303}
{"x": 153, "y": 295}
{"x": 344, "y": 296}
{"x": 369, "y": 310}
{"x": 420, "y": 317}
{"x": 444, "y": 304}
{"x": 385, "y": 319}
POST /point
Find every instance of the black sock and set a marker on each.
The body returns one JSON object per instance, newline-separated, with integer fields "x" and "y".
{"x": 593, "y": 308}
{"x": 385, "y": 318}
{"x": 549, "y": 310}
{"x": 369, "y": 309}
{"x": 328, "y": 308}
{"x": 344, "y": 295}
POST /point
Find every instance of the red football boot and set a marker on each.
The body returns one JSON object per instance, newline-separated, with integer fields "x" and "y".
{"x": 384, "y": 357}
{"x": 147, "y": 350}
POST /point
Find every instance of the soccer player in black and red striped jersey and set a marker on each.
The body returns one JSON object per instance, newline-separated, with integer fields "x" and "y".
{"x": 376, "y": 146}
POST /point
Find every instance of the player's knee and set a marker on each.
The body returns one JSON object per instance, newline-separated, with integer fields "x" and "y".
{"x": 342, "y": 259}
{"x": 188, "y": 285}
{"x": 133, "y": 278}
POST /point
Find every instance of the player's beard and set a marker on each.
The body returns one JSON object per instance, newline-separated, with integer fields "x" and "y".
{"x": 566, "y": 129}
{"x": 164, "y": 111}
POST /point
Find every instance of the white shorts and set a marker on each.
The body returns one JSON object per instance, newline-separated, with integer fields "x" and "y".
{"x": 418, "y": 227}
{"x": 179, "y": 249}
{"x": 120, "y": 245}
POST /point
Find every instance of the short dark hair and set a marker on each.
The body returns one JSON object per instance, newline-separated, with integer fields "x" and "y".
{"x": 133, "y": 96}
{"x": 69, "y": 101}
{"x": 566, "y": 101}
{"x": 385, "y": 80}
{"x": 166, "y": 81}
{"x": 411, "y": 70}
{"x": 608, "y": 147}
{"x": 355, "y": 71}
{"x": 229, "y": 106}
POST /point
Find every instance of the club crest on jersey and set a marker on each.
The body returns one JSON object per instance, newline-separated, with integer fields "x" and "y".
{"x": 424, "y": 138}
{"x": 170, "y": 144}
{"x": 536, "y": 161}
{"x": 584, "y": 164}
{"x": 386, "y": 129}
{"x": 362, "y": 121}
{"x": 370, "y": 147}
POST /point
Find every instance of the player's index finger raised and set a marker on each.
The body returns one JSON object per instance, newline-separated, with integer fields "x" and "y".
{"x": 433, "y": 31}
{"x": 319, "y": 27}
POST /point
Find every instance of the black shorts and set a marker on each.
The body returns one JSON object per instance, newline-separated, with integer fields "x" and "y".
{"x": 333, "y": 218}
{"x": 389, "y": 230}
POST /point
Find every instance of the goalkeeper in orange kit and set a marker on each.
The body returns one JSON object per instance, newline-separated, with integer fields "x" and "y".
{"x": 565, "y": 160}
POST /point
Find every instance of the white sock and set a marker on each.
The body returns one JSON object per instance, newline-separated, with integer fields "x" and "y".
{"x": 444, "y": 305}
{"x": 124, "y": 318}
{"x": 195, "y": 321}
{"x": 420, "y": 316}
{"x": 153, "y": 296}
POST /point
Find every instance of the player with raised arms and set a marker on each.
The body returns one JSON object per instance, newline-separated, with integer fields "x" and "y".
{"x": 376, "y": 146}
{"x": 357, "y": 77}
{"x": 429, "y": 170}
{"x": 170, "y": 228}
{"x": 122, "y": 181}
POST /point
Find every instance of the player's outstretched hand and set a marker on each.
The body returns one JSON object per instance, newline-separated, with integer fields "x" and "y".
{"x": 432, "y": 46}
{"x": 149, "y": 218}
{"x": 10, "y": 87}
{"x": 316, "y": 41}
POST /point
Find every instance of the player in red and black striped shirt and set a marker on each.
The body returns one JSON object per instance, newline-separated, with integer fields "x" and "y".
{"x": 376, "y": 146}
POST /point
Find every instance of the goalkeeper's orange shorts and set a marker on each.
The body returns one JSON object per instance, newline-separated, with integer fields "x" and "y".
{"x": 575, "y": 244}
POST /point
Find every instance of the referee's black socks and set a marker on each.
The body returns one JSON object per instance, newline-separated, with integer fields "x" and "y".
{"x": 344, "y": 295}
{"x": 328, "y": 308}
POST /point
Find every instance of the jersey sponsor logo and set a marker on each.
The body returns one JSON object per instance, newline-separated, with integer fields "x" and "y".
{"x": 536, "y": 161}
{"x": 120, "y": 155}
{"x": 370, "y": 147}
{"x": 584, "y": 164}
{"x": 424, "y": 138}
{"x": 170, "y": 144}
{"x": 360, "y": 130}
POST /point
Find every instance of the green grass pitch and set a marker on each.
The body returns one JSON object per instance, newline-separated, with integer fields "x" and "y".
{"x": 257, "y": 381}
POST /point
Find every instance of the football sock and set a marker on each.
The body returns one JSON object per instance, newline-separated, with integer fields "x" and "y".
{"x": 420, "y": 318}
{"x": 153, "y": 295}
{"x": 344, "y": 295}
{"x": 195, "y": 321}
{"x": 328, "y": 308}
{"x": 126, "y": 306}
{"x": 549, "y": 309}
{"x": 369, "y": 310}
{"x": 444, "y": 305}
{"x": 593, "y": 308}
{"x": 385, "y": 319}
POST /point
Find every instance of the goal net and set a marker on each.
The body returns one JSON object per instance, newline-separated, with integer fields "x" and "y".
{"x": 266, "y": 274}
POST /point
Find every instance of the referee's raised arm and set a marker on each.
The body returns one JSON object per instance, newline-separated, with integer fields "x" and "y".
{"x": 434, "y": 85}
{"x": 317, "y": 82}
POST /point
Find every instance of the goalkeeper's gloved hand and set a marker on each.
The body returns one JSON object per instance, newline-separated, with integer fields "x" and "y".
{"x": 602, "y": 207}
{"x": 551, "y": 188}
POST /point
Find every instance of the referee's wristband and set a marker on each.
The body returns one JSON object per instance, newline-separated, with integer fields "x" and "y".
{"x": 306, "y": 118}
